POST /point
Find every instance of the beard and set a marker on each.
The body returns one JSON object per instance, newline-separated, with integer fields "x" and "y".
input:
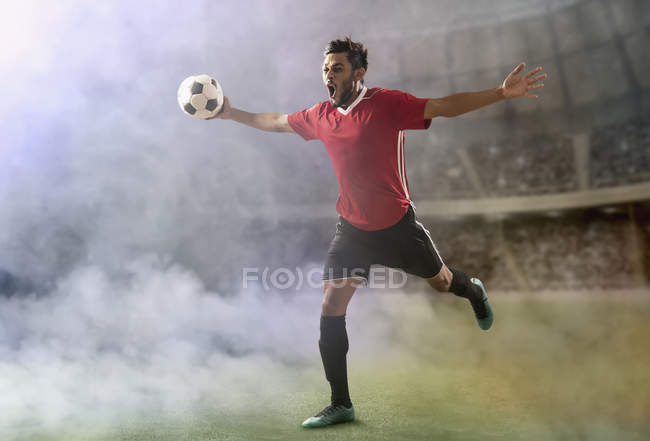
{"x": 346, "y": 93}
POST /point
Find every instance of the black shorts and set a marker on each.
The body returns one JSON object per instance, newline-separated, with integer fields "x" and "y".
{"x": 407, "y": 245}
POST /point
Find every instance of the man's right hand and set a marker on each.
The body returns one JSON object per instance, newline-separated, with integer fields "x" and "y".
{"x": 226, "y": 110}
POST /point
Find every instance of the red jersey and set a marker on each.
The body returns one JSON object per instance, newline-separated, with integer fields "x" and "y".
{"x": 365, "y": 143}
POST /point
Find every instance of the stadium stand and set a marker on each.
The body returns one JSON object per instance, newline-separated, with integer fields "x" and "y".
{"x": 620, "y": 153}
{"x": 533, "y": 165}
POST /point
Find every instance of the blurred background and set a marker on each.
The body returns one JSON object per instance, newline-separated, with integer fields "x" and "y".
{"x": 100, "y": 166}
{"x": 125, "y": 225}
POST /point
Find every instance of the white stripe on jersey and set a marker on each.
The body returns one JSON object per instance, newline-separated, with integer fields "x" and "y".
{"x": 401, "y": 168}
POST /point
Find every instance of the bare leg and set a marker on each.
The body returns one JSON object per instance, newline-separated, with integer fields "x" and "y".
{"x": 337, "y": 295}
{"x": 442, "y": 281}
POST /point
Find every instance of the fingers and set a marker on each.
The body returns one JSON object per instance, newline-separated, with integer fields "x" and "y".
{"x": 225, "y": 109}
{"x": 518, "y": 68}
{"x": 224, "y": 112}
{"x": 537, "y": 78}
{"x": 533, "y": 72}
{"x": 536, "y": 86}
{"x": 226, "y": 105}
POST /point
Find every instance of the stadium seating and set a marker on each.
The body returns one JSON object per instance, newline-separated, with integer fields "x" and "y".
{"x": 620, "y": 153}
{"x": 532, "y": 165}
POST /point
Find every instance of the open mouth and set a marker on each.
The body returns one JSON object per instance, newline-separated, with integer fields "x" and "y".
{"x": 331, "y": 89}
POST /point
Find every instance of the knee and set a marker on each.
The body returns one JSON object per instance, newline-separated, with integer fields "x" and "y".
{"x": 337, "y": 295}
{"x": 329, "y": 306}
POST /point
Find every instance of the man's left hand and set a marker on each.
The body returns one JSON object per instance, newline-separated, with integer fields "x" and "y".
{"x": 515, "y": 85}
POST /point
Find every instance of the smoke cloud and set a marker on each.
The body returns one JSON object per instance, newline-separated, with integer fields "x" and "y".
{"x": 94, "y": 346}
{"x": 99, "y": 348}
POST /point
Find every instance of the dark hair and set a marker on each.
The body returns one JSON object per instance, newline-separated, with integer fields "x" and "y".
{"x": 357, "y": 54}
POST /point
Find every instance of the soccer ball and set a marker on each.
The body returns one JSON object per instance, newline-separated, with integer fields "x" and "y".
{"x": 200, "y": 96}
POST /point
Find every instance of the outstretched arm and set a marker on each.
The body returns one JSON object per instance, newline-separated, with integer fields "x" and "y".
{"x": 459, "y": 103}
{"x": 269, "y": 122}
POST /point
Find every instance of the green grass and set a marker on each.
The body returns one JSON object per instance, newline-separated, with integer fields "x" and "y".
{"x": 551, "y": 370}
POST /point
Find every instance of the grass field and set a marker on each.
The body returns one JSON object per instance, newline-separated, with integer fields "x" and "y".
{"x": 548, "y": 370}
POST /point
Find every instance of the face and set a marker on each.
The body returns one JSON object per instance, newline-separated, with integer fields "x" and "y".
{"x": 340, "y": 79}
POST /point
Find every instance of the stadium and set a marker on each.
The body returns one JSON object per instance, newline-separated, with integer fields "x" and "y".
{"x": 156, "y": 270}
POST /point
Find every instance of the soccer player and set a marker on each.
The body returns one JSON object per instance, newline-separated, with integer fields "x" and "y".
{"x": 363, "y": 132}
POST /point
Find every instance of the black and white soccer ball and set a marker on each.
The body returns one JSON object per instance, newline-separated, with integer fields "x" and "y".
{"x": 200, "y": 96}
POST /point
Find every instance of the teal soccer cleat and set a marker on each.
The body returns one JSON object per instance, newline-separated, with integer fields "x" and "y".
{"x": 332, "y": 414}
{"x": 482, "y": 308}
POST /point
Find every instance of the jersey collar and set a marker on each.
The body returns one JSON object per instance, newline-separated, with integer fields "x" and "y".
{"x": 354, "y": 103}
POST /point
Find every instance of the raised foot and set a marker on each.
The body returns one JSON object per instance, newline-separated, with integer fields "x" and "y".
{"x": 482, "y": 308}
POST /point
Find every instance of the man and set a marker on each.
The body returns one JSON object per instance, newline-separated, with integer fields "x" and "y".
{"x": 363, "y": 132}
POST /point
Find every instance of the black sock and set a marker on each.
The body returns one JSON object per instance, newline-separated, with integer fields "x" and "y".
{"x": 462, "y": 287}
{"x": 333, "y": 345}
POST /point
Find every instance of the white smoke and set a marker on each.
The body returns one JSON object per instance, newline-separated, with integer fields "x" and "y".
{"x": 155, "y": 340}
{"x": 98, "y": 348}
